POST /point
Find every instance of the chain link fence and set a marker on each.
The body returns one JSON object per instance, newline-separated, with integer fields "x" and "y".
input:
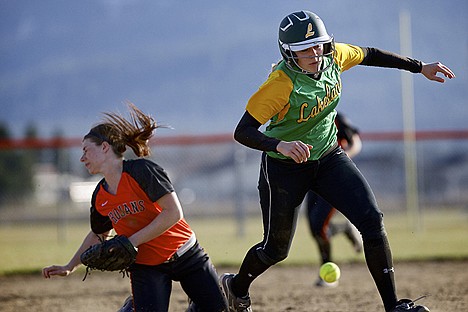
{"x": 216, "y": 178}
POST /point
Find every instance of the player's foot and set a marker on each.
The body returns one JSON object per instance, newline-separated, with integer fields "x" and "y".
{"x": 354, "y": 236}
{"x": 235, "y": 304}
{"x": 192, "y": 307}
{"x": 128, "y": 305}
{"x": 407, "y": 305}
{"x": 321, "y": 283}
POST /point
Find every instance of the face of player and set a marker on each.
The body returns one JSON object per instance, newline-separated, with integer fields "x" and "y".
{"x": 310, "y": 59}
{"x": 93, "y": 156}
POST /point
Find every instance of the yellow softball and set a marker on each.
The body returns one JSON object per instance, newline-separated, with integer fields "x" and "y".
{"x": 330, "y": 272}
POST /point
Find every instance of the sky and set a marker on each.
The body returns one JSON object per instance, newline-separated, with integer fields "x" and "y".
{"x": 194, "y": 64}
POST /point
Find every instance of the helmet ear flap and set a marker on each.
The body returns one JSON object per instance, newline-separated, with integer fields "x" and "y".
{"x": 292, "y": 56}
{"x": 288, "y": 56}
{"x": 329, "y": 47}
{"x": 285, "y": 53}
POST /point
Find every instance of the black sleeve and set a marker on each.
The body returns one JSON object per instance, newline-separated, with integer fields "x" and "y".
{"x": 247, "y": 133}
{"x": 99, "y": 223}
{"x": 151, "y": 177}
{"x": 382, "y": 58}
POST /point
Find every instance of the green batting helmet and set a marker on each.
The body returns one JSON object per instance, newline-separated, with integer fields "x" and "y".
{"x": 300, "y": 31}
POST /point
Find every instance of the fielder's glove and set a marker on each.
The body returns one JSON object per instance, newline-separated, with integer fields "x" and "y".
{"x": 115, "y": 254}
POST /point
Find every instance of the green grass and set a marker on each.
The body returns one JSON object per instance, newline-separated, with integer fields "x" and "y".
{"x": 444, "y": 235}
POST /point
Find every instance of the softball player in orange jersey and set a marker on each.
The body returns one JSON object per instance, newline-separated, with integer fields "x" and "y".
{"x": 136, "y": 199}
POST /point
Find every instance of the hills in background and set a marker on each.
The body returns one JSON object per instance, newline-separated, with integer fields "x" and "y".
{"x": 194, "y": 64}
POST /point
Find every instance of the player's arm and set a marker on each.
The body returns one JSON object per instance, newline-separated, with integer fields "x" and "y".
{"x": 382, "y": 58}
{"x": 156, "y": 184}
{"x": 348, "y": 136}
{"x": 65, "y": 270}
{"x": 171, "y": 213}
{"x": 247, "y": 133}
{"x": 270, "y": 100}
{"x": 354, "y": 148}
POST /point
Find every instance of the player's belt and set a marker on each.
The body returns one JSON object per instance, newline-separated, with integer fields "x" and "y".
{"x": 328, "y": 151}
{"x": 183, "y": 249}
{"x": 291, "y": 161}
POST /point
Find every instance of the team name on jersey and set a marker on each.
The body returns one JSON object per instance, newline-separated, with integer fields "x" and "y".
{"x": 331, "y": 94}
{"x": 125, "y": 209}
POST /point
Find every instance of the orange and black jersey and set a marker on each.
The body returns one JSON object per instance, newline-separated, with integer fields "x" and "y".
{"x": 134, "y": 206}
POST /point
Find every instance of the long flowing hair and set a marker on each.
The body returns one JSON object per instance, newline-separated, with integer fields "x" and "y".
{"x": 120, "y": 132}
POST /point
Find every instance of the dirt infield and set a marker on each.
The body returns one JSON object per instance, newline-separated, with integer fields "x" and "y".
{"x": 282, "y": 288}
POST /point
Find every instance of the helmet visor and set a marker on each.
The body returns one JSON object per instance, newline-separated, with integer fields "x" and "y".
{"x": 304, "y": 45}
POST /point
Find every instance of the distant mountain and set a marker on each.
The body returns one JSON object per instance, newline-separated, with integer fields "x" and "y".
{"x": 194, "y": 64}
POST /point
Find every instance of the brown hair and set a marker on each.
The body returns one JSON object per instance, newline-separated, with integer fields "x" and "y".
{"x": 120, "y": 132}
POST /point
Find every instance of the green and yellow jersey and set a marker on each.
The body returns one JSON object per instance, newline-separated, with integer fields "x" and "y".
{"x": 299, "y": 107}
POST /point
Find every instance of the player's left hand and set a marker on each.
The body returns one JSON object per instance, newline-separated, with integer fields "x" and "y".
{"x": 430, "y": 71}
{"x": 115, "y": 254}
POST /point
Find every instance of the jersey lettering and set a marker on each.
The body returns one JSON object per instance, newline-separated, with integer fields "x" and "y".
{"x": 331, "y": 94}
{"x": 125, "y": 209}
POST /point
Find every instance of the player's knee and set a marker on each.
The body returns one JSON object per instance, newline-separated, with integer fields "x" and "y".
{"x": 372, "y": 226}
{"x": 322, "y": 241}
{"x": 273, "y": 258}
{"x": 316, "y": 229}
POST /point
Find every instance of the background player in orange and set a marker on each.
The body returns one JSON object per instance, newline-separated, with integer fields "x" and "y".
{"x": 320, "y": 212}
{"x": 136, "y": 199}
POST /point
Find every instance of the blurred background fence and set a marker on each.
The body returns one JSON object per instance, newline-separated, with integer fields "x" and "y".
{"x": 43, "y": 180}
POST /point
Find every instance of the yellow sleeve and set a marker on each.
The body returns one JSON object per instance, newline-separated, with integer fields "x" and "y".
{"x": 271, "y": 98}
{"x": 347, "y": 55}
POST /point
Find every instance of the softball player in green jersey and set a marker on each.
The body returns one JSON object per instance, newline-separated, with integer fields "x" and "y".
{"x": 301, "y": 153}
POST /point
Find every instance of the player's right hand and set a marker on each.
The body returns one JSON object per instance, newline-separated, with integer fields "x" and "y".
{"x": 296, "y": 150}
{"x": 56, "y": 270}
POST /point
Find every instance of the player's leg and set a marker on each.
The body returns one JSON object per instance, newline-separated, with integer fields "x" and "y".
{"x": 199, "y": 279}
{"x": 128, "y": 305}
{"x": 353, "y": 197}
{"x": 151, "y": 287}
{"x": 349, "y": 230}
{"x": 319, "y": 214}
{"x": 353, "y": 236}
{"x": 281, "y": 194}
{"x": 343, "y": 186}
